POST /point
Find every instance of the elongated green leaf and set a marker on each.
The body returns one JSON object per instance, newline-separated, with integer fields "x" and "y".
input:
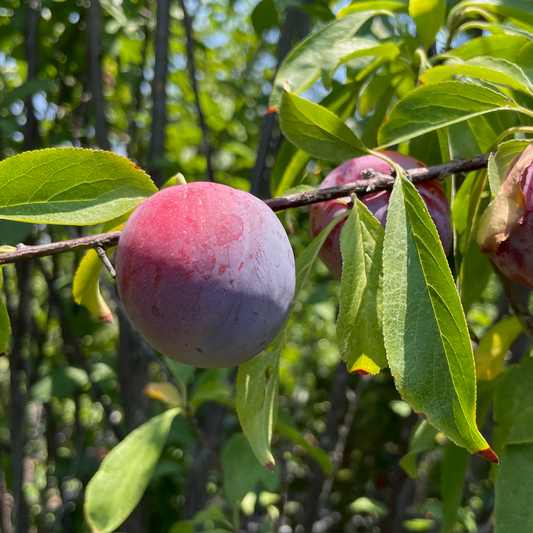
{"x": 522, "y": 430}
{"x": 359, "y": 328}
{"x": 70, "y": 186}
{"x": 489, "y": 69}
{"x": 429, "y": 17}
{"x": 317, "y": 131}
{"x": 344, "y": 51}
{"x": 514, "y": 491}
{"x": 431, "y": 107}
{"x": 494, "y": 345}
{"x": 258, "y": 379}
{"x": 426, "y": 336}
{"x": 453, "y": 471}
{"x": 124, "y": 474}
{"x": 302, "y": 66}
{"x": 496, "y": 46}
{"x": 513, "y": 395}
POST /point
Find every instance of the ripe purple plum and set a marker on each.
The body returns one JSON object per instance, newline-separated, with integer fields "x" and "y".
{"x": 206, "y": 274}
{"x": 514, "y": 256}
{"x": 323, "y": 213}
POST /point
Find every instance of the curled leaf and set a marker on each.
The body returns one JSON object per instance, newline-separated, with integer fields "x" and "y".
{"x": 507, "y": 209}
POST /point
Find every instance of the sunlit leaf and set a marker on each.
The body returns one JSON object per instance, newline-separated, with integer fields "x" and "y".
{"x": 70, "y": 186}
{"x": 317, "y": 131}
{"x": 429, "y": 17}
{"x": 430, "y": 107}
{"x": 426, "y": 336}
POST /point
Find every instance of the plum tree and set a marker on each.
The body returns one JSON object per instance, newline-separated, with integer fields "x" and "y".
{"x": 322, "y": 214}
{"x": 206, "y": 274}
{"x": 514, "y": 256}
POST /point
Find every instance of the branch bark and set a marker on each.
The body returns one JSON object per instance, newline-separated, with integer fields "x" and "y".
{"x": 365, "y": 186}
{"x": 191, "y": 62}
{"x": 159, "y": 93}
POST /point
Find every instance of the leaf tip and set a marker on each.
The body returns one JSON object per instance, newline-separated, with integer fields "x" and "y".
{"x": 271, "y": 110}
{"x": 361, "y": 372}
{"x": 423, "y": 415}
{"x": 270, "y": 465}
{"x": 488, "y": 455}
{"x": 108, "y": 317}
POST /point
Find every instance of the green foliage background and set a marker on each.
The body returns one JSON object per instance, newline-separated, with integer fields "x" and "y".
{"x": 350, "y": 454}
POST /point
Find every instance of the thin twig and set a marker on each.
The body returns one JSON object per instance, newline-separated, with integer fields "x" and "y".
{"x": 364, "y": 186}
{"x": 107, "y": 263}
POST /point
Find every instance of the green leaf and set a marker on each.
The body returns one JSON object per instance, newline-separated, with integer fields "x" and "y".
{"x": 344, "y": 51}
{"x": 242, "y": 470}
{"x": 496, "y": 46}
{"x": 258, "y": 379}
{"x": 522, "y": 430}
{"x": 303, "y": 65}
{"x": 429, "y": 17}
{"x": 124, "y": 474}
{"x": 513, "y": 395}
{"x": 317, "y": 131}
{"x": 373, "y": 92}
{"x": 368, "y": 506}
{"x": 70, "y": 186}
{"x": 426, "y": 336}
{"x": 490, "y": 353}
{"x": 430, "y": 107}
{"x": 13, "y": 233}
{"x": 359, "y": 328}
{"x": 489, "y": 69}
{"x": 422, "y": 440}
{"x": 453, "y": 470}
{"x": 514, "y": 491}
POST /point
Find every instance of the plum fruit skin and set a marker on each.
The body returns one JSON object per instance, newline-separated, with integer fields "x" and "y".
{"x": 206, "y": 274}
{"x": 322, "y": 214}
{"x": 514, "y": 256}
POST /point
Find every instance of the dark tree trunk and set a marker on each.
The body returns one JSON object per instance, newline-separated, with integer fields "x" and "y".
{"x": 159, "y": 93}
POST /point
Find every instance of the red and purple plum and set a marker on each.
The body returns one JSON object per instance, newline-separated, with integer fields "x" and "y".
{"x": 206, "y": 274}
{"x": 514, "y": 256}
{"x": 323, "y": 213}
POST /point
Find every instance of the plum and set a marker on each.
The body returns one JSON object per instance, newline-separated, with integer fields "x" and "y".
{"x": 206, "y": 274}
{"x": 323, "y": 213}
{"x": 514, "y": 255}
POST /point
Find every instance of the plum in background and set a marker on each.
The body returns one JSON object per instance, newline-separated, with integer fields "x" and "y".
{"x": 514, "y": 256}
{"x": 323, "y": 213}
{"x": 206, "y": 274}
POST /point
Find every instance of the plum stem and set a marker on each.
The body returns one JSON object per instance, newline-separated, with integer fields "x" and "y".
{"x": 376, "y": 183}
{"x": 107, "y": 263}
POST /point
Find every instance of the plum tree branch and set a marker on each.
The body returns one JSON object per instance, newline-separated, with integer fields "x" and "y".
{"x": 374, "y": 182}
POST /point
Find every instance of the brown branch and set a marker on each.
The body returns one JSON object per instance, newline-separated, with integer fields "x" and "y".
{"x": 365, "y": 186}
